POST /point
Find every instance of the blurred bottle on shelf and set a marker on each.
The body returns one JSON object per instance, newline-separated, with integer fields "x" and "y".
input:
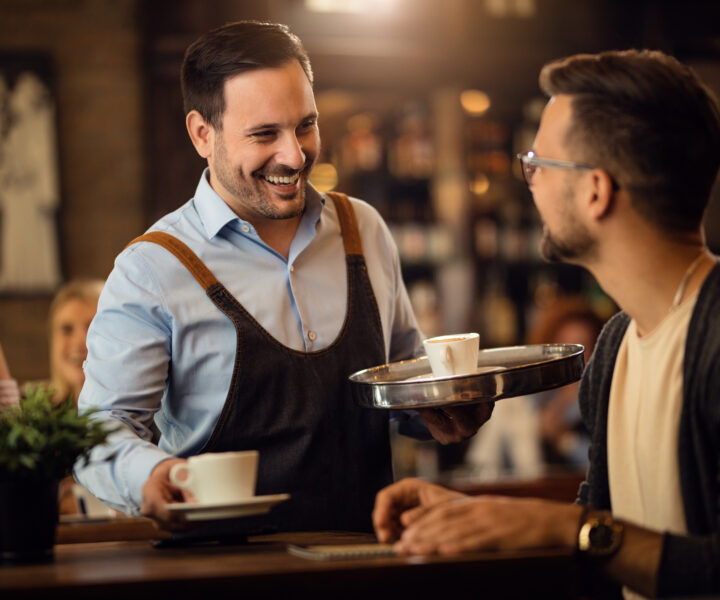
{"x": 361, "y": 147}
{"x": 485, "y": 236}
{"x": 497, "y": 313}
{"x": 412, "y": 154}
{"x": 425, "y": 302}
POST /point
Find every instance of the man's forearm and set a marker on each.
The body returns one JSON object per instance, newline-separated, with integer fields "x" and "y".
{"x": 635, "y": 564}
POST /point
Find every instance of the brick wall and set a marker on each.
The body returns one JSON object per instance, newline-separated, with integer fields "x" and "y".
{"x": 95, "y": 47}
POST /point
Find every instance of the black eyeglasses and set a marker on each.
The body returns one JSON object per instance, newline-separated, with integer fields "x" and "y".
{"x": 529, "y": 164}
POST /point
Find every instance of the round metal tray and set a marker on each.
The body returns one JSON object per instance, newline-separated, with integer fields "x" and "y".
{"x": 502, "y": 373}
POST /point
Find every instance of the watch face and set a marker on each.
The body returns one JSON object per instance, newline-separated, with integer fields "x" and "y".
{"x": 600, "y": 536}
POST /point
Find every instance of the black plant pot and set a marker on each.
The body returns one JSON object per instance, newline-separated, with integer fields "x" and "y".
{"x": 28, "y": 519}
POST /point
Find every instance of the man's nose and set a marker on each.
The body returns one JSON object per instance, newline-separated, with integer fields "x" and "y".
{"x": 290, "y": 152}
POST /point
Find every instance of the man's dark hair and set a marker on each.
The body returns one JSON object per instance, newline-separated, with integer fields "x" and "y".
{"x": 648, "y": 121}
{"x": 230, "y": 50}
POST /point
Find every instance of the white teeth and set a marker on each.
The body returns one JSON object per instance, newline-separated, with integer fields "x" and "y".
{"x": 282, "y": 180}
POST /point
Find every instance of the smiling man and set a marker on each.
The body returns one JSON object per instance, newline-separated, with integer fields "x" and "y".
{"x": 234, "y": 322}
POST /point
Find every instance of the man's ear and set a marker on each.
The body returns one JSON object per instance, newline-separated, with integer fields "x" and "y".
{"x": 602, "y": 194}
{"x": 201, "y": 133}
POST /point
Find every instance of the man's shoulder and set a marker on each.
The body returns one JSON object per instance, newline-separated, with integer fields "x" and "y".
{"x": 709, "y": 296}
{"x": 371, "y": 224}
{"x": 178, "y": 222}
{"x": 182, "y": 223}
{"x": 612, "y": 334}
{"x": 704, "y": 329}
{"x": 701, "y": 368}
{"x": 601, "y": 365}
{"x": 364, "y": 211}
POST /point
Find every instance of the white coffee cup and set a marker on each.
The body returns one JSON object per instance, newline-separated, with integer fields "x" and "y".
{"x": 218, "y": 477}
{"x": 455, "y": 354}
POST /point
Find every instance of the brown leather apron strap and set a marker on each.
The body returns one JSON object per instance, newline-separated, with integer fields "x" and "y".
{"x": 348, "y": 226}
{"x": 348, "y": 223}
{"x": 187, "y": 257}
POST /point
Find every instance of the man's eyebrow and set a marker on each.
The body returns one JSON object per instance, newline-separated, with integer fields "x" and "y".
{"x": 255, "y": 128}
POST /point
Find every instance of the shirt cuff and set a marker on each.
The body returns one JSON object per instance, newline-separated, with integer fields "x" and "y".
{"x": 137, "y": 471}
{"x": 116, "y": 472}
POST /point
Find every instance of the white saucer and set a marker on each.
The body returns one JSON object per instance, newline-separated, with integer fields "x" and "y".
{"x": 257, "y": 505}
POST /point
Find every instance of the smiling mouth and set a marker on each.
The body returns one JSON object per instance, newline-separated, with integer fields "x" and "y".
{"x": 281, "y": 180}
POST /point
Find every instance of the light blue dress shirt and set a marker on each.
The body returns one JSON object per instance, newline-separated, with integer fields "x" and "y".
{"x": 159, "y": 349}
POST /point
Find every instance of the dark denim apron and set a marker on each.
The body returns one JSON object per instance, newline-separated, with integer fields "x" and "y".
{"x": 296, "y": 408}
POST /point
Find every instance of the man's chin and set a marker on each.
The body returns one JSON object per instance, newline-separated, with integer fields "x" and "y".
{"x": 549, "y": 251}
{"x": 284, "y": 216}
{"x": 553, "y": 252}
{"x": 289, "y": 208}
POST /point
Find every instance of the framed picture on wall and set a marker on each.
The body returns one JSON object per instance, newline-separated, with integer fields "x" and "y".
{"x": 29, "y": 175}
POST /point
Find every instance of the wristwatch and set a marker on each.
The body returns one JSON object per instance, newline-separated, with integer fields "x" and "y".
{"x": 599, "y": 535}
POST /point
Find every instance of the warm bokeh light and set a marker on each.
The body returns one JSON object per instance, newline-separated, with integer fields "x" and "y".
{"x": 523, "y": 9}
{"x": 480, "y": 184}
{"x": 362, "y": 122}
{"x": 352, "y": 6}
{"x": 331, "y": 103}
{"x": 324, "y": 177}
{"x": 475, "y": 102}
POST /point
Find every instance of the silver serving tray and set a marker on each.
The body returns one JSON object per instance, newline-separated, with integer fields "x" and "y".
{"x": 502, "y": 373}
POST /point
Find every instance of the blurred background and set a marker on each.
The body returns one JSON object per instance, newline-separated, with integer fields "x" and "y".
{"x": 423, "y": 105}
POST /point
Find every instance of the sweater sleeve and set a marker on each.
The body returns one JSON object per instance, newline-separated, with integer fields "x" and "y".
{"x": 689, "y": 565}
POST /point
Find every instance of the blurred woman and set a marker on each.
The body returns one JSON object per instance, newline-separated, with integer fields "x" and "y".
{"x": 70, "y": 314}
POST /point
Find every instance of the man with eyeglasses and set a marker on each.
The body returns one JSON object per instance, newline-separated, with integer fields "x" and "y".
{"x": 621, "y": 170}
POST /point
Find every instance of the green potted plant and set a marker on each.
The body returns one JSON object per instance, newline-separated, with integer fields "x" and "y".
{"x": 40, "y": 441}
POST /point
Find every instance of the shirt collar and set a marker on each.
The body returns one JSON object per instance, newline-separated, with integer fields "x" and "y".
{"x": 215, "y": 213}
{"x": 314, "y": 203}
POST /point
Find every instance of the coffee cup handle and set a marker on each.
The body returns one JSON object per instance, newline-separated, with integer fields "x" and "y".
{"x": 175, "y": 473}
{"x": 448, "y": 360}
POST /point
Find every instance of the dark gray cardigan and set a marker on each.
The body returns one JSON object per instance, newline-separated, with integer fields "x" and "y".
{"x": 689, "y": 564}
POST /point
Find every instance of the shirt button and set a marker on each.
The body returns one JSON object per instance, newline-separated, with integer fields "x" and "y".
{"x": 245, "y": 228}
{"x": 312, "y": 336}
{"x": 292, "y": 268}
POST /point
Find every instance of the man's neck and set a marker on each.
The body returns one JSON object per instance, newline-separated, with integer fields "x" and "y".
{"x": 278, "y": 233}
{"x": 643, "y": 276}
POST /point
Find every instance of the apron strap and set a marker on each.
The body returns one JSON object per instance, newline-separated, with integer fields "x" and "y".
{"x": 348, "y": 223}
{"x": 203, "y": 275}
{"x": 187, "y": 257}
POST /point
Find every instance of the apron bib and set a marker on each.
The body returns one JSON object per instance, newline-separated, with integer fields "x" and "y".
{"x": 296, "y": 408}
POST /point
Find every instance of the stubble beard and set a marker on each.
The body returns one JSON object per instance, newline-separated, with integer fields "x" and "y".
{"x": 253, "y": 194}
{"x": 570, "y": 249}
{"x": 574, "y": 244}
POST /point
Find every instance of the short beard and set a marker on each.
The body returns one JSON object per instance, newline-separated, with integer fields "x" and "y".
{"x": 252, "y": 192}
{"x": 576, "y": 246}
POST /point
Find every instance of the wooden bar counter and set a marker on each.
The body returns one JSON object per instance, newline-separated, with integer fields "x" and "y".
{"x": 130, "y": 567}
